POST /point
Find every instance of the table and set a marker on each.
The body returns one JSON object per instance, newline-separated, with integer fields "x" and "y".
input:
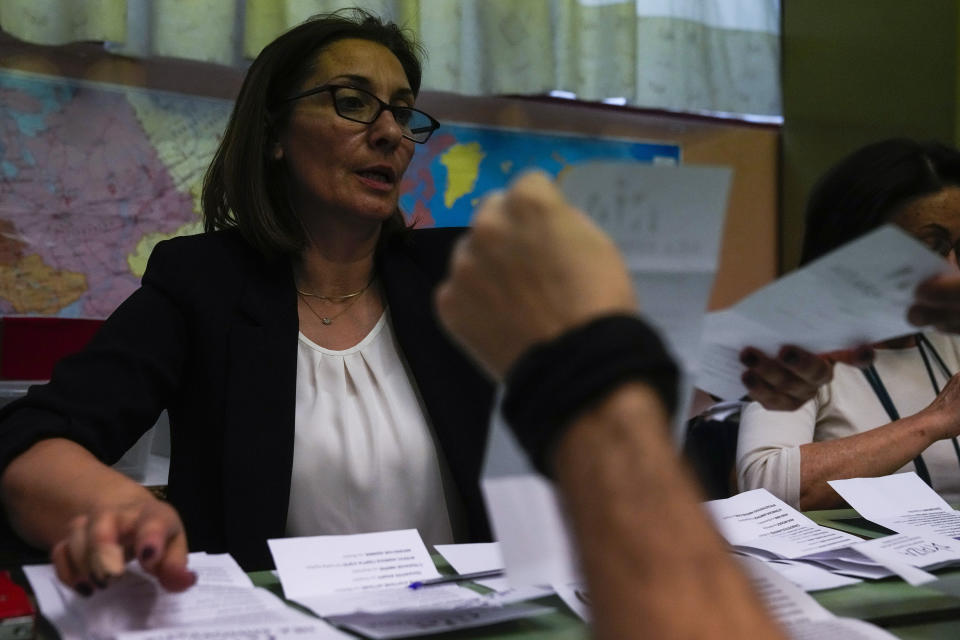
{"x": 912, "y": 613}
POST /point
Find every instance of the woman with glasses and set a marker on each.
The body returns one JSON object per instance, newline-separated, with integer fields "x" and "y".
{"x": 902, "y": 413}
{"x": 309, "y": 388}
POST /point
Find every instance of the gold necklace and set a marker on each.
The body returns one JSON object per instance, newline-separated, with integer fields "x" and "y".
{"x": 342, "y": 298}
{"x": 328, "y": 320}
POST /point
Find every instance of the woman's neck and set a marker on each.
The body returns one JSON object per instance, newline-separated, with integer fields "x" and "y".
{"x": 337, "y": 261}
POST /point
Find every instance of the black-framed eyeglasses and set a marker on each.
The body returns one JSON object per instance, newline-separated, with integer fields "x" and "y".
{"x": 362, "y": 106}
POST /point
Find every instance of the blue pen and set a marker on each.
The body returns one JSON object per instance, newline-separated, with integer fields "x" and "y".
{"x": 462, "y": 577}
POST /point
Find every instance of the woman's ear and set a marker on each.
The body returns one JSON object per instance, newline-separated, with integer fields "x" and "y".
{"x": 276, "y": 151}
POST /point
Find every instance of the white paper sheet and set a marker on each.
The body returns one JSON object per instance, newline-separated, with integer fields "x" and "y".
{"x": 901, "y": 502}
{"x": 576, "y": 597}
{"x": 802, "y": 616}
{"x": 811, "y": 577}
{"x": 447, "y": 596}
{"x": 758, "y": 520}
{"x": 328, "y": 565}
{"x": 855, "y": 295}
{"x": 424, "y": 622}
{"x": 667, "y": 222}
{"x": 308, "y": 629}
{"x": 223, "y": 594}
{"x": 476, "y": 557}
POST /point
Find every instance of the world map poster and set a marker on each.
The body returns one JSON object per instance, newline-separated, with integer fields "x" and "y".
{"x": 94, "y": 175}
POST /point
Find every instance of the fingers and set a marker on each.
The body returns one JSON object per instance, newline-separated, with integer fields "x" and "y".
{"x": 937, "y": 303}
{"x": 171, "y": 569}
{"x": 786, "y": 382}
{"x": 161, "y": 547}
{"x": 97, "y": 547}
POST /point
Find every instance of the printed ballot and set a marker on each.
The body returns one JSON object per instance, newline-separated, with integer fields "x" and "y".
{"x": 801, "y": 615}
{"x": 222, "y": 598}
{"x": 361, "y": 582}
{"x": 862, "y": 292}
{"x": 901, "y": 502}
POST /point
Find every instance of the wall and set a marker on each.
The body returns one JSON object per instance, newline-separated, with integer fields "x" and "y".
{"x": 749, "y": 253}
{"x": 855, "y": 72}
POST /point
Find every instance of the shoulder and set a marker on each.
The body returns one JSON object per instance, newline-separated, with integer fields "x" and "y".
{"x": 205, "y": 247}
{"x": 213, "y": 255}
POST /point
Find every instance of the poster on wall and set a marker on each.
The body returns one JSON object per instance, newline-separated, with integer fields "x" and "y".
{"x": 94, "y": 175}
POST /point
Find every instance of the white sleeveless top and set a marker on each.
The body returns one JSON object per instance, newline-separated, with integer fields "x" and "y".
{"x": 364, "y": 457}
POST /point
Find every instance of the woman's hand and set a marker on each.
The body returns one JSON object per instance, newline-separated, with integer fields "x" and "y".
{"x": 57, "y": 495}
{"x": 790, "y": 379}
{"x": 100, "y": 543}
{"x": 944, "y": 411}
{"x": 937, "y": 303}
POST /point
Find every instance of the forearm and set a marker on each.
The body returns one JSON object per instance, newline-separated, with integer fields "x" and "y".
{"x": 876, "y": 452}
{"x": 55, "y": 480}
{"x": 654, "y": 564}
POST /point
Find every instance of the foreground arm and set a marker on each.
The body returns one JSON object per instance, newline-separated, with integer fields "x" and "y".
{"x": 531, "y": 269}
{"x": 92, "y": 518}
{"x": 646, "y": 546}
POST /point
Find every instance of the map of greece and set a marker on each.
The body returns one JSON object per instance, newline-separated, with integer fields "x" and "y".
{"x": 93, "y": 176}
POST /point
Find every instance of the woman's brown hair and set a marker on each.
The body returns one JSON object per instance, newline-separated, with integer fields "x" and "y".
{"x": 244, "y": 187}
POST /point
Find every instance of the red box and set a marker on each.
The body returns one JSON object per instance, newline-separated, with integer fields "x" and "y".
{"x": 30, "y": 346}
{"x": 17, "y": 616}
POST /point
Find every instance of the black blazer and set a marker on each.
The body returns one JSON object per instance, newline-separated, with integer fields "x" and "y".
{"x": 211, "y": 335}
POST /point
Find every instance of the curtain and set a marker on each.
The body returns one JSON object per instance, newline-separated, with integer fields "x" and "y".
{"x": 687, "y": 55}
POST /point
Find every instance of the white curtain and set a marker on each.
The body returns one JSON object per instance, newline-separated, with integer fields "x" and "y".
{"x": 688, "y": 55}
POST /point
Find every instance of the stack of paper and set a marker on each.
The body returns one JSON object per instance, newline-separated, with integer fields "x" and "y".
{"x": 802, "y": 617}
{"x": 758, "y": 524}
{"x": 361, "y": 582}
{"x": 136, "y": 606}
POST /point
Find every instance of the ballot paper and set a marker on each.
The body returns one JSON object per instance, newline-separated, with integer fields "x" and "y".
{"x": 810, "y": 577}
{"x": 858, "y": 294}
{"x": 307, "y": 629}
{"x": 758, "y": 523}
{"x": 667, "y": 222}
{"x": 404, "y": 624}
{"x": 801, "y": 616}
{"x": 901, "y": 502}
{"x": 222, "y": 597}
{"x": 361, "y": 582}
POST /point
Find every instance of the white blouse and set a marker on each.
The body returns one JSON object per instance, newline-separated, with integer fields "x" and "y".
{"x": 768, "y": 448}
{"x": 364, "y": 457}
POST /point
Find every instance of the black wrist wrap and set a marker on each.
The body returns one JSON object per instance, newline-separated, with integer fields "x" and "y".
{"x": 555, "y": 380}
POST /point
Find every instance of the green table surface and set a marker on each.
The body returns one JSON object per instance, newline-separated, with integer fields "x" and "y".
{"x": 913, "y": 613}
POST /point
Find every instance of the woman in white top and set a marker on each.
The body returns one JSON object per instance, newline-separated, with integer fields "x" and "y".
{"x": 309, "y": 387}
{"x": 903, "y": 413}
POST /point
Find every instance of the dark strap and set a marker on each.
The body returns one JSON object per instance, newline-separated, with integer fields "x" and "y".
{"x": 924, "y": 345}
{"x": 881, "y": 391}
{"x": 555, "y": 380}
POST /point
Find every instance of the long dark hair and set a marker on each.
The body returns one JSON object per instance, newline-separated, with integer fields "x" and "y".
{"x": 864, "y": 189}
{"x": 244, "y": 187}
